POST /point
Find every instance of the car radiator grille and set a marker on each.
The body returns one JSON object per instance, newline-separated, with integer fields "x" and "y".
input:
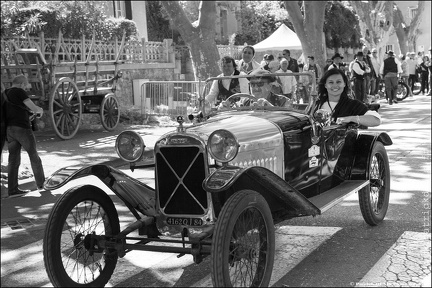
{"x": 180, "y": 171}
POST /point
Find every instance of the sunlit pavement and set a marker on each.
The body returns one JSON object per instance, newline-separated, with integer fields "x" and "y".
{"x": 23, "y": 219}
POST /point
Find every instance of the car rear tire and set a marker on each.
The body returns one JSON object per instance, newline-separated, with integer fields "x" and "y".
{"x": 243, "y": 245}
{"x": 78, "y": 213}
{"x": 374, "y": 198}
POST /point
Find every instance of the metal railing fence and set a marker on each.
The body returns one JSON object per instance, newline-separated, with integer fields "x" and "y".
{"x": 171, "y": 98}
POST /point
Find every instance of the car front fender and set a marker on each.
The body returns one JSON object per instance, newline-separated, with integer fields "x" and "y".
{"x": 363, "y": 148}
{"x": 279, "y": 194}
{"x": 135, "y": 194}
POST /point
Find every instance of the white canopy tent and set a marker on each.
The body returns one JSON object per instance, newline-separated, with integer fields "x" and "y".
{"x": 282, "y": 38}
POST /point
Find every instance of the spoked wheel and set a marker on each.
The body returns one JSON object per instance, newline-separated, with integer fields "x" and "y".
{"x": 402, "y": 91}
{"x": 374, "y": 198}
{"x": 65, "y": 108}
{"x": 69, "y": 258}
{"x": 110, "y": 112}
{"x": 417, "y": 88}
{"x": 243, "y": 245}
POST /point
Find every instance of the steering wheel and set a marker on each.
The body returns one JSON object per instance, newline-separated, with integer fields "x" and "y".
{"x": 245, "y": 95}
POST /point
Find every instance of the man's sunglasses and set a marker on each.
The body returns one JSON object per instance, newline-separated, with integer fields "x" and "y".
{"x": 257, "y": 84}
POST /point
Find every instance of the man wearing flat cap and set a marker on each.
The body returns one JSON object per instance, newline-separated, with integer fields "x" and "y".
{"x": 337, "y": 62}
{"x": 359, "y": 69}
{"x": 390, "y": 71}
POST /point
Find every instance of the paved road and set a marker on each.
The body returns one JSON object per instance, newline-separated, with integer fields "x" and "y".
{"x": 335, "y": 249}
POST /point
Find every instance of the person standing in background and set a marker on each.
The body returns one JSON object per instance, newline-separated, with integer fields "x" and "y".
{"x": 288, "y": 83}
{"x": 404, "y": 66}
{"x": 358, "y": 70}
{"x": 425, "y": 74}
{"x": 412, "y": 74}
{"x": 430, "y": 72}
{"x": 20, "y": 134}
{"x": 247, "y": 64}
{"x": 390, "y": 71}
{"x": 376, "y": 67}
{"x": 314, "y": 67}
{"x": 292, "y": 63}
{"x": 337, "y": 63}
{"x": 368, "y": 75}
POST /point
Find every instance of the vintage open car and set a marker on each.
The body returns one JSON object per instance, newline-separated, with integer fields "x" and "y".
{"x": 223, "y": 179}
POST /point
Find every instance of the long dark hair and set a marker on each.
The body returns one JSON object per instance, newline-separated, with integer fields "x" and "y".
{"x": 249, "y": 47}
{"x": 322, "y": 90}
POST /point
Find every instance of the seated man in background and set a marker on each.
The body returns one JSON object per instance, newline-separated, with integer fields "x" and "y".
{"x": 222, "y": 89}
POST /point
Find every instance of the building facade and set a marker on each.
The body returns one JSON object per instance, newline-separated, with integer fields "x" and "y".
{"x": 423, "y": 41}
{"x": 132, "y": 10}
{"x": 226, "y": 23}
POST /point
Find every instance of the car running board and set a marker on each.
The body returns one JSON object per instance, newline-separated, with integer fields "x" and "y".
{"x": 335, "y": 195}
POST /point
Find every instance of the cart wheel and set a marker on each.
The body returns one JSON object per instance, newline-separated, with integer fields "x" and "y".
{"x": 110, "y": 112}
{"x": 374, "y": 198}
{"x": 243, "y": 242}
{"x": 65, "y": 108}
{"x": 79, "y": 213}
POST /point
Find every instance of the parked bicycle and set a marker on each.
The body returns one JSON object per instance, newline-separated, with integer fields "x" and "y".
{"x": 401, "y": 93}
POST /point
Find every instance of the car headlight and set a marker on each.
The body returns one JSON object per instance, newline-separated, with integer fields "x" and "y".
{"x": 129, "y": 146}
{"x": 223, "y": 145}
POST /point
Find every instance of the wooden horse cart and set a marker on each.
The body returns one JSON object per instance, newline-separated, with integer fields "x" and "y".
{"x": 67, "y": 89}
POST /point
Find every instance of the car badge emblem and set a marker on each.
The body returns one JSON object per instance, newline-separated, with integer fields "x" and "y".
{"x": 315, "y": 140}
{"x": 180, "y": 120}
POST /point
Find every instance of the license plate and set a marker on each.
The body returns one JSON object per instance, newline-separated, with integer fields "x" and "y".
{"x": 184, "y": 221}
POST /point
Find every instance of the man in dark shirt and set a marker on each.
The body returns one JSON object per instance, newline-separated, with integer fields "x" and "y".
{"x": 390, "y": 72}
{"x": 20, "y": 134}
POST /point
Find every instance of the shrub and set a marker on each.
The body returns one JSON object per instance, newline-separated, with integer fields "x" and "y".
{"x": 114, "y": 27}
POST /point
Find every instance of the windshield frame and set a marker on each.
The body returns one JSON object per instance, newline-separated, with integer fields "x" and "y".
{"x": 307, "y": 110}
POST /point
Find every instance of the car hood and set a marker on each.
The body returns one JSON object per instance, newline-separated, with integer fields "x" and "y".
{"x": 250, "y": 125}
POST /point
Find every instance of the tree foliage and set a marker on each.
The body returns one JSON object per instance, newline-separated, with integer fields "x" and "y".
{"x": 74, "y": 18}
{"x": 308, "y": 20}
{"x": 199, "y": 36}
{"x": 159, "y": 25}
{"x": 341, "y": 27}
{"x": 376, "y": 22}
{"x": 407, "y": 32}
{"x": 259, "y": 19}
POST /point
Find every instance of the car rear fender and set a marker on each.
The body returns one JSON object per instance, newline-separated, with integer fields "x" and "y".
{"x": 133, "y": 193}
{"x": 278, "y": 193}
{"x": 363, "y": 149}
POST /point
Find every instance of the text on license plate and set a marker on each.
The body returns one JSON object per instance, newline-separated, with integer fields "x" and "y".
{"x": 184, "y": 221}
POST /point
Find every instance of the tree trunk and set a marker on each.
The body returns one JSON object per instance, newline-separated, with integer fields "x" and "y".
{"x": 376, "y": 22}
{"x": 401, "y": 30}
{"x": 309, "y": 27}
{"x": 199, "y": 36}
{"x": 413, "y": 28}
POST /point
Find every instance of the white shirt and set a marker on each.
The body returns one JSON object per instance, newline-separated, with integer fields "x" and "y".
{"x": 376, "y": 64}
{"x": 288, "y": 82}
{"x": 411, "y": 66}
{"x": 214, "y": 90}
{"x": 241, "y": 65}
